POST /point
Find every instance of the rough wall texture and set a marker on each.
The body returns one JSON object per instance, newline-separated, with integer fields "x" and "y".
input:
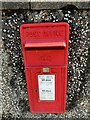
{"x": 15, "y": 98}
{"x": 44, "y": 4}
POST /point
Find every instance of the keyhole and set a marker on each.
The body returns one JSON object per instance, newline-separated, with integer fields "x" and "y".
{"x": 36, "y": 91}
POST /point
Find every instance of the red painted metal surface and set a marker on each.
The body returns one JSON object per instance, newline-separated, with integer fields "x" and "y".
{"x": 45, "y": 45}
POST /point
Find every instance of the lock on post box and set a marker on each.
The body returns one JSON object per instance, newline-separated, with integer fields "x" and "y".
{"x": 45, "y": 52}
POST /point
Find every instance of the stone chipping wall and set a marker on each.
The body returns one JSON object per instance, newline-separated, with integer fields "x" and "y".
{"x": 14, "y": 91}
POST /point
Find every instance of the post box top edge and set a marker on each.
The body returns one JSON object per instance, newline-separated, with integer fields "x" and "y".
{"x": 48, "y": 24}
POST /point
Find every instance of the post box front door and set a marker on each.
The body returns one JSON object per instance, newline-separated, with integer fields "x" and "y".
{"x": 45, "y": 53}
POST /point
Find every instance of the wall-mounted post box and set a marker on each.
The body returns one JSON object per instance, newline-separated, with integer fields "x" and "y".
{"x": 45, "y": 52}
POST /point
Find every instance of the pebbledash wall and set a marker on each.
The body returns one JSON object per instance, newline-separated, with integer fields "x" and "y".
{"x": 14, "y": 102}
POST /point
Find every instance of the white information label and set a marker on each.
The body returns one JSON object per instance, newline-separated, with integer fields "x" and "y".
{"x": 46, "y": 87}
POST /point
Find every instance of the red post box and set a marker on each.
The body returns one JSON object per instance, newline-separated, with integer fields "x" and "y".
{"x": 45, "y": 52}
